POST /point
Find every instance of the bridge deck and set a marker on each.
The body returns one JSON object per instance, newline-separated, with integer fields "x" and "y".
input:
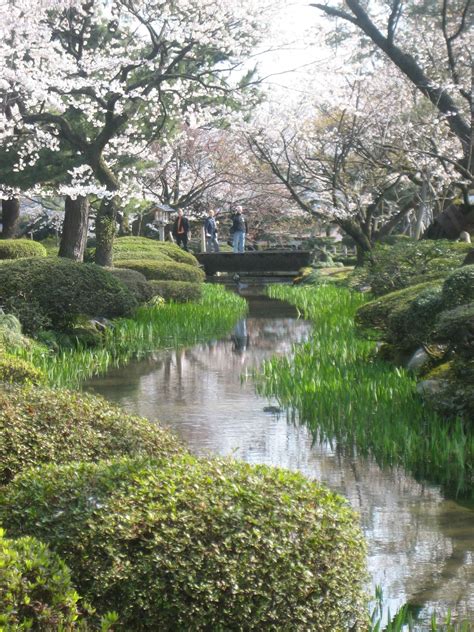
{"x": 255, "y": 261}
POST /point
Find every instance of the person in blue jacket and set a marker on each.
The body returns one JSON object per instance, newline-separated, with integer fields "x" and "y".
{"x": 238, "y": 230}
{"x": 210, "y": 228}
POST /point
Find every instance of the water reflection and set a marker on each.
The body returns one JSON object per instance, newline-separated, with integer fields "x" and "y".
{"x": 421, "y": 545}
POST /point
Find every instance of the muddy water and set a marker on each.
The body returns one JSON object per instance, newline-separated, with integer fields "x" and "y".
{"x": 421, "y": 544}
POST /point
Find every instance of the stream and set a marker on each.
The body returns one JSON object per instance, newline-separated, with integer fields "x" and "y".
{"x": 420, "y": 542}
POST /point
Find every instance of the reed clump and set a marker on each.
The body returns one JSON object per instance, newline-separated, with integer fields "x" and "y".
{"x": 153, "y": 326}
{"x": 334, "y": 384}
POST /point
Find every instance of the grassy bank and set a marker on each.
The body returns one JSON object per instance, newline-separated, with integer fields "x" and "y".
{"x": 151, "y": 328}
{"x": 333, "y": 384}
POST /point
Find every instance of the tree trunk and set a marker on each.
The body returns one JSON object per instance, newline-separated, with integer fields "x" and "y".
{"x": 74, "y": 233}
{"x": 422, "y": 210}
{"x": 105, "y": 229}
{"x": 10, "y": 218}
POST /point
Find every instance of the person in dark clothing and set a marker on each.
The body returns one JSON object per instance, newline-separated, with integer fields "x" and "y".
{"x": 238, "y": 230}
{"x": 210, "y": 229}
{"x": 181, "y": 230}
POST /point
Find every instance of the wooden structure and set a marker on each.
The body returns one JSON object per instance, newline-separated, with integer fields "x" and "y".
{"x": 255, "y": 262}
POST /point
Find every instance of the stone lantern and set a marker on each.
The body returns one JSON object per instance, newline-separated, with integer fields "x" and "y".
{"x": 161, "y": 217}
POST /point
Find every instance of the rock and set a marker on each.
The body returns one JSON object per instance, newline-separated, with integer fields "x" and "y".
{"x": 419, "y": 360}
{"x": 274, "y": 410}
{"x": 431, "y": 387}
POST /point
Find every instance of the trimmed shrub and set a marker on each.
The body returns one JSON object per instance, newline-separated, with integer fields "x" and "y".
{"x": 13, "y": 369}
{"x": 51, "y": 244}
{"x": 21, "y": 249}
{"x": 52, "y": 293}
{"x": 41, "y": 425}
{"x": 177, "y": 291}
{"x": 190, "y": 544}
{"x": 459, "y": 287}
{"x": 412, "y": 324}
{"x": 135, "y": 282}
{"x": 178, "y": 254}
{"x": 10, "y": 333}
{"x": 456, "y": 326}
{"x": 375, "y": 314}
{"x": 409, "y": 262}
{"x": 164, "y": 270}
{"x": 36, "y": 590}
{"x": 457, "y": 399}
{"x": 138, "y": 248}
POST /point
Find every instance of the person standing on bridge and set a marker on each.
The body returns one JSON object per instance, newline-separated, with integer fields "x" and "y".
{"x": 210, "y": 229}
{"x": 238, "y": 230}
{"x": 181, "y": 230}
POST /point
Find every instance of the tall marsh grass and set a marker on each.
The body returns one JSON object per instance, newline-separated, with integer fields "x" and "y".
{"x": 159, "y": 326}
{"x": 333, "y": 384}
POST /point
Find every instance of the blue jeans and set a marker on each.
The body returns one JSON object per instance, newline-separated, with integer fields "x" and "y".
{"x": 238, "y": 241}
{"x": 212, "y": 245}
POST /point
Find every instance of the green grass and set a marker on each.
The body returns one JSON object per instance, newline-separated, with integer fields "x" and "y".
{"x": 160, "y": 326}
{"x": 333, "y": 384}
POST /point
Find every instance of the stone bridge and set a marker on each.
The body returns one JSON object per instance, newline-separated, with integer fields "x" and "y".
{"x": 255, "y": 262}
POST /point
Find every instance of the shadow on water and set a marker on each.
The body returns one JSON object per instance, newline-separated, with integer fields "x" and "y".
{"x": 421, "y": 543}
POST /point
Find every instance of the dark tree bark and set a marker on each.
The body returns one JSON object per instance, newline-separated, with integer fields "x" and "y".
{"x": 106, "y": 222}
{"x": 451, "y": 222}
{"x": 105, "y": 229}
{"x": 10, "y": 218}
{"x": 74, "y": 234}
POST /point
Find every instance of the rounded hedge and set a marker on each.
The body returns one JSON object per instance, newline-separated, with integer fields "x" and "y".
{"x": 10, "y": 332}
{"x": 41, "y": 425}
{"x": 126, "y": 248}
{"x": 456, "y": 327}
{"x": 21, "y": 248}
{"x": 177, "y": 291}
{"x": 52, "y": 293}
{"x": 178, "y": 254}
{"x": 375, "y": 314}
{"x": 459, "y": 287}
{"x": 36, "y": 591}
{"x": 135, "y": 282}
{"x": 190, "y": 544}
{"x": 13, "y": 369}
{"x": 409, "y": 262}
{"x": 412, "y": 324}
{"x": 164, "y": 270}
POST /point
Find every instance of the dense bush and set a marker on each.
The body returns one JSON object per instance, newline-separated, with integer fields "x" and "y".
{"x": 164, "y": 270}
{"x": 457, "y": 398}
{"x": 51, "y": 244}
{"x": 412, "y": 324}
{"x": 39, "y": 425}
{"x": 459, "y": 287}
{"x": 51, "y": 293}
{"x": 177, "y": 291}
{"x": 189, "y": 544}
{"x": 375, "y": 314}
{"x": 10, "y": 333}
{"x": 137, "y": 248}
{"x": 13, "y": 369}
{"x": 456, "y": 327}
{"x": 20, "y": 248}
{"x": 178, "y": 254}
{"x": 135, "y": 282}
{"x": 409, "y": 262}
{"x": 36, "y": 591}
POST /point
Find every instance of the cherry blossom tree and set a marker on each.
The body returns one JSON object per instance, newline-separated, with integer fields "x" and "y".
{"x": 359, "y": 161}
{"x": 214, "y": 168}
{"x": 430, "y": 43}
{"x": 107, "y": 79}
